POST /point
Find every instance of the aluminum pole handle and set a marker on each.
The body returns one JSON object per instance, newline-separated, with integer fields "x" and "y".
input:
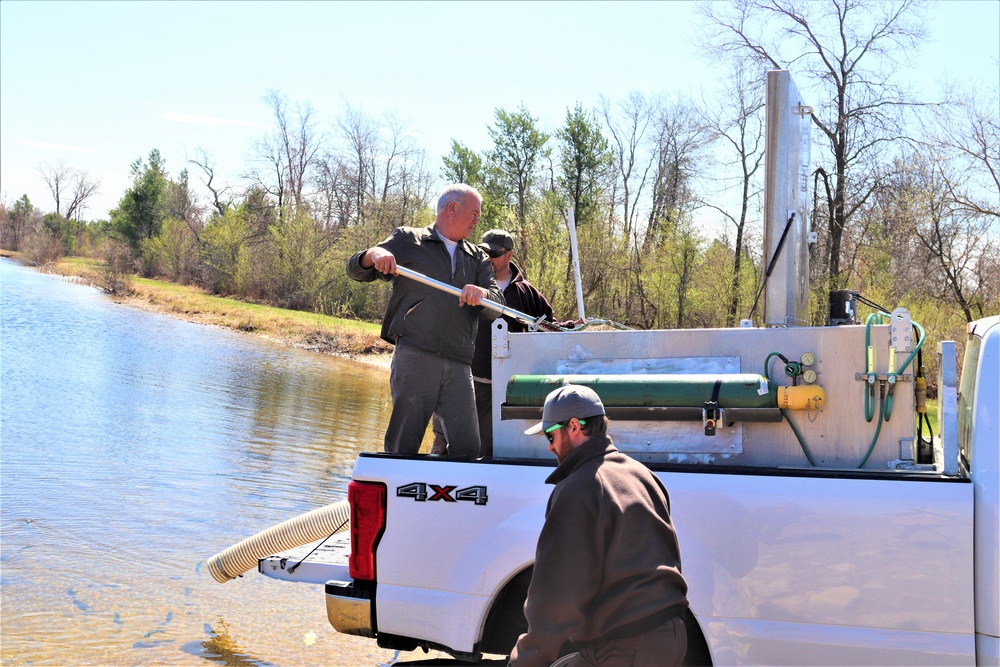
{"x": 524, "y": 318}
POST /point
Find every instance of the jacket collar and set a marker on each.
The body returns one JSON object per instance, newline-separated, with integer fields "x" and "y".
{"x": 515, "y": 274}
{"x": 594, "y": 447}
{"x": 430, "y": 233}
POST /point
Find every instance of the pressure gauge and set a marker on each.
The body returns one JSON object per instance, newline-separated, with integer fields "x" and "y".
{"x": 808, "y": 358}
{"x": 809, "y": 376}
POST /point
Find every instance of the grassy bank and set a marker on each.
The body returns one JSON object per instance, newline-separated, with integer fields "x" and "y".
{"x": 310, "y": 331}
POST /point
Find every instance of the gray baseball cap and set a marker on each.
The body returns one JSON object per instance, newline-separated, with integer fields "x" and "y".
{"x": 497, "y": 240}
{"x": 566, "y": 402}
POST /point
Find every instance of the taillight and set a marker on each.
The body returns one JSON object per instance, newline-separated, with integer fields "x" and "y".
{"x": 367, "y": 501}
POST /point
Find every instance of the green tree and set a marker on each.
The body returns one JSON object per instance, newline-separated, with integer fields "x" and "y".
{"x": 223, "y": 246}
{"x": 16, "y": 224}
{"x": 513, "y": 162}
{"x": 584, "y": 161}
{"x": 173, "y": 253}
{"x": 298, "y": 263}
{"x": 178, "y": 202}
{"x": 142, "y": 209}
{"x": 462, "y": 165}
{"x": 60, "y": 230}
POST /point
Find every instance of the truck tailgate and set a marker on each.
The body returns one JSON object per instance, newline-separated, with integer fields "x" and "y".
{"x": 313, "y": 563}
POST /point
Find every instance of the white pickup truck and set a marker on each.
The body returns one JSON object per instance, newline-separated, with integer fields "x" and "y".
{"x": 817, "y": 523}
{"x": 894, "y": 562}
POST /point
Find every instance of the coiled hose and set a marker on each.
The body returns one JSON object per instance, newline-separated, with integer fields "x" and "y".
{"x": 303, "y": 529}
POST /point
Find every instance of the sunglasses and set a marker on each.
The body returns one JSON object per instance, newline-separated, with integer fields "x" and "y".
{"x": 555, "y": 427}
{"x": 496, "y": 253}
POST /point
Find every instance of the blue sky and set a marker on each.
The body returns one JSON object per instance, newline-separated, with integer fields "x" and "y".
{"x": 97, "y": 85}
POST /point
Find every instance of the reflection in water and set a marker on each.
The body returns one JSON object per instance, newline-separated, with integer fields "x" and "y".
{"x": 222, "y": 649}
{"x": 134, "y": 446}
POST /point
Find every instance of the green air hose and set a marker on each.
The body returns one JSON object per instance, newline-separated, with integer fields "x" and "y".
{"x": 878, "y": 427}
{"x": 885, "y": 397}
{"x": 871, "y": 375}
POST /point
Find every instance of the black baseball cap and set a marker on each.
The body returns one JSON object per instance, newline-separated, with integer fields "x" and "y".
{"x": 497, "y": 240}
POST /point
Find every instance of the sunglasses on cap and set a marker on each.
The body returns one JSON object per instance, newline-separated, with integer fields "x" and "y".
{"x": 557, "y": 426}
{"x": 496, "y": 253}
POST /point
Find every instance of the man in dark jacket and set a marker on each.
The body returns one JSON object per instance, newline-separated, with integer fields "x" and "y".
{"x": 433, "y": 332}
{"x": 607, "y": 571}
{"x": 520, "y": 295}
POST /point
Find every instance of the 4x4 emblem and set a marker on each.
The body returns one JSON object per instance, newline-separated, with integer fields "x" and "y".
{"x": 418, "y": 491}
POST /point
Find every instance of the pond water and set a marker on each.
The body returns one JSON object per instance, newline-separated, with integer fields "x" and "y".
{"x": 133, "y": 447}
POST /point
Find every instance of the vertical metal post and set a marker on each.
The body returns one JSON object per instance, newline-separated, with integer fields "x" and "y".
{"x": 574, "y": 248}
{"x": 948, "y": 405}
{"x": 786, "y": 192}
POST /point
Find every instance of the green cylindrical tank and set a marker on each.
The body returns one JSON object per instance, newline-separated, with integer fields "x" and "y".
{"x": 739, "y": 390}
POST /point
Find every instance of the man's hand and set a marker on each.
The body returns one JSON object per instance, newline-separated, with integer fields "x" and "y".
{"x": 472, "y": 295}
{"x": 383, "y": 260}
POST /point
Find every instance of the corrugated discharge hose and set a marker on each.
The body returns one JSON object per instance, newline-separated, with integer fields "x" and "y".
{"x": 303, "y": 529}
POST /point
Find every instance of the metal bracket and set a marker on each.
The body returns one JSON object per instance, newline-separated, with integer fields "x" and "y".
{"x": 901, "y": 331}
{"x": 501, "y": 340}
{"x": 863, "y": 377}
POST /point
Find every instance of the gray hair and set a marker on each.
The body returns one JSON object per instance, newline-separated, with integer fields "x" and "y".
{"x": 455, "y": 192}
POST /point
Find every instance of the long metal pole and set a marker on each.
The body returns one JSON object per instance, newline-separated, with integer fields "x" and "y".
{"x": 575, "y": 250}
{"x": 532, "y": 322}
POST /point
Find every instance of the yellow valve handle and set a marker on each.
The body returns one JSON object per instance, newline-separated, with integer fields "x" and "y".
{"x": 801, "y": 397}
{"x": 871, "y": 359}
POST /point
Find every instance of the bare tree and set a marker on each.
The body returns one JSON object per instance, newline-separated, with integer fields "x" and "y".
{"x": 221, "y": 197}
{"x": 402, "y": 161}
{"x": 72, "y": 187}
{"x": 677, "y": 152}
{"x": 375, "y": 174}
{"x": 954, "y": 244}
{"x": 336, "y": 195}
{"x": 628, "y": 124}
{"x": 849, "y": 51}
{"x": 969, "y": 132}
{"x": 359, "y": 135}
{"x": 289, "y": 153}
{"x": 736, "y": 120}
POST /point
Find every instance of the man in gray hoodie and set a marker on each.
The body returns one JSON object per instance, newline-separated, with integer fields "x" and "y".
{"x": 607, "y": 574}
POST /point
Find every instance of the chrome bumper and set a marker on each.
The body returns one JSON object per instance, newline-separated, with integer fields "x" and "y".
{"x": 348, "y": 609}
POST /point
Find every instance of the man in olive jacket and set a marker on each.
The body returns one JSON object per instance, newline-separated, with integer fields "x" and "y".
{"x": 433, "y": 332}
{"x": 519, "y": 295}
{"x": 607, "y": 573}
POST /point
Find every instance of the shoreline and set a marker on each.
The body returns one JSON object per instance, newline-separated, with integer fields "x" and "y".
{"x": 321, "y": 334}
